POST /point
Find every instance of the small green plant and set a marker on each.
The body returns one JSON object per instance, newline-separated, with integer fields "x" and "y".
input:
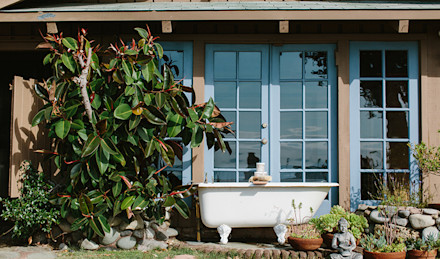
{"x": 32, "y": 211}
{"x": 306, "y": 230}
{"x": 329, "y": 222}
{"x": 428, "y": 244}
{"x": 378, "y": 243}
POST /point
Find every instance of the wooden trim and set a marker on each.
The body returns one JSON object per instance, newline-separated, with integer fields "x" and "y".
{"x": 284, "y": 26}
{"x": 224, "y": 15}
{"x": 403, "y": 26}
{"x": 167, "y": 27}
{"x": 198, "y": 161}
{"x": 6, "y": 3}
{"x": 342, "y": 57}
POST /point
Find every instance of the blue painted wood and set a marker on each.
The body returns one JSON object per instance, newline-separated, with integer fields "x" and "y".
{"x": 413, "y": 110}
{"x": 185, "y": 65}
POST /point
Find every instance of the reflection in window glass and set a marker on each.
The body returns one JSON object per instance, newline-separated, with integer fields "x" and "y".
{"x": 291, "y": 155}
{"x": 371, "y": 63}
{"x": 224, "y": 159}
{"x": 369, "y": 185}
{"x": 290, "y": 125}
{"x": 291, "y": 177}
{"x": 396, "y": 63}
{"x": 250, "y": 94}
{"x": 397, "y": 124}
{"x": 225, "y": 176}
{"x": 249, "y": 65}
{"x": 316, "y": 94}
{"x": 244, "y": 176}
{"x": 291, "y": 95}
{"x": 371, "y": 155}
{"x": 397, "y": 94}
{"x": 315, "y": 64}
{"x": 316, "y": 155}
{"x": 371, "y": 94}
{"x": 317, "y": 177}
{"x": 249, "y": 154}
{"x": 290, "y": 65}
{"x": 316, "y": 125}
{"x": 225, "y": 94}
{"x": 397, "y": 155}
{"x": 230, "y": 117}
{"x": 371, "y": 124}
{"x": 396, "y": 180}
{"x": 225, "y": 65}
{"x": 249, "y": 125}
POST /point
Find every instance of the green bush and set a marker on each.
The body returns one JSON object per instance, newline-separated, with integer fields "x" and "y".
{"x": 32, "y": 211}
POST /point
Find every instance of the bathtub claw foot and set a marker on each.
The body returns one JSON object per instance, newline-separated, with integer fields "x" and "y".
{"x": 224, "y": 231}
{"x": 281, "y": 231}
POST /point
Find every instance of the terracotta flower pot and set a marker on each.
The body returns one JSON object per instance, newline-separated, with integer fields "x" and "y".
{"x": 393, "y": 255}
{"x": 415, "y": 254}
{"x": 305, "y": 244}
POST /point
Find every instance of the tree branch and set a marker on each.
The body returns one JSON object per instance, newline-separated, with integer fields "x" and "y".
{"x": 82, "y": 81}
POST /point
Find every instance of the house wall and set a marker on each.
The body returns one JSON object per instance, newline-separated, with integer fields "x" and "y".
{"x": 22, "y": 36}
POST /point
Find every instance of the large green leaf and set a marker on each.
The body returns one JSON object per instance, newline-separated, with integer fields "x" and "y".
{"x": 148, "y": 71}
{"x": 134, "y": 122}
{"x": 39, "y": 117}
{"x": 123, "y": 112}
{"x": 75, "y": 171}
{"x": 160, "y": 99}
{"x": 167, "y": 155}
{"x": 118, "y": 157}
{"x": 154, "y": 116}
{"x": 139, "y": 203}
{"x": 127, "y": 202}
{"x": 197, "y": 136}
{"x": 95, "y": 62}
{"x": 85, "y": 204}
{"x": 142, "y": 32}
{"x": 209, "y": 108}
{"x": 104, "y": 223}
{"x": 62, "y": 128}
{"x": 41, "y": 92}
{"x": 71, "y": 107}
{"x": 78, "y": 223}
{"x": 91, "y": 145}
{"x": 174, "y": 125}
{"x": 126, "y": 66}
{"x": 108, "y": 145}
{"x": 102, "y": 160}
{"x": 69, "y": 61}
{"x": 94, "y": 226}
{"x": 193, "y": 115}
{"x": 159, "y": 50}
{"x": 149, "y": 150}
{"x": 170, "y": 201}
{"x": 179, "y": 106}
{"x": 182, "y": 208}
{"x": 70, "y": 43}
{"x": 116, "y": 189}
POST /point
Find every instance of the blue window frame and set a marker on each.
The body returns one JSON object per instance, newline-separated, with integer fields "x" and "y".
{"x": 181, "y": 55}
{"x": 383, "y": 117}
{"x": 284, "y": 96}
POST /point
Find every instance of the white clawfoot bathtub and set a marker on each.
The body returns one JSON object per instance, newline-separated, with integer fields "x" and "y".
{"x": 241, "y": 205}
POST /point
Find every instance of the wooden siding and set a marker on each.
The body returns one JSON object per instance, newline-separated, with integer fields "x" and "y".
{"x": 24, "y": 138}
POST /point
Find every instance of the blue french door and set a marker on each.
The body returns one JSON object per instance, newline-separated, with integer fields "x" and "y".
{"x": 282, "y": 100}
{"x": 383, "y": 117}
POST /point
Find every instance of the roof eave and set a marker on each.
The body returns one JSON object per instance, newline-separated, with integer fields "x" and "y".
{"x": 5, "y": 3}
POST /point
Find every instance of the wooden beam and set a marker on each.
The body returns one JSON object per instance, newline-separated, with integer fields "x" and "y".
{"x": 403, "y": 26}
{"x": 226, "y": 15}
{"x": 5, "y": 3}
{"x": 167, "y": 27}
{"x": 284, "y": 26}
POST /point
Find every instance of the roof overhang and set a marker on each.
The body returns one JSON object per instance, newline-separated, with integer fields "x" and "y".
{"x": 5, "y": 3}
{"x": 221, "y": 11}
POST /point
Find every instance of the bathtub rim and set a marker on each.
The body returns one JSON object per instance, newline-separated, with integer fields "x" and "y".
{"x": 268, "y": 185}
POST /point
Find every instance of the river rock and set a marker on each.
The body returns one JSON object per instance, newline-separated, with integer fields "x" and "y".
{"x": 401, "y": 221}
{"x": 109, "y": 237}
{"x": 362, "y": 207}
{"x": 377, "y": 217}
{"x": 126, "y": 233}
{"x": 171, "y": 232}
{"x": 126, "y": 242}
{"x": 149, "y": 233}
{"x": 415, "y": 211}
{"x": 63, "y": 247}
{"x": 139, "y": 233}
{"x": 161, "y": 235}
{"x": 137, "y": 223}
{"x": 430, "y": 211}
{"x": 65, "y": 226}
{"x": 419, "y": 221}
{"x": 430, "y": 231}
{"x": 437, "y": 221}
{"x": 89, "y": 245}
{"x": 76, "y": 236}
{"x": 148, "y": 245}
{"x": 404, "y": 213}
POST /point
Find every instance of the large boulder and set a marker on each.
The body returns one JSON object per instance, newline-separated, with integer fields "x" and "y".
{"x": 420, "y": 221}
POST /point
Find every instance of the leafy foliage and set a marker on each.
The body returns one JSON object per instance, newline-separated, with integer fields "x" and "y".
{"x": 329, "y": 222}
{"x": 111, "y": 149}
{"x": 430, "y": 243}
{"x": 378, "y": 243}
{"x": 32, "y": 211}
{"x": 306, "y": 231}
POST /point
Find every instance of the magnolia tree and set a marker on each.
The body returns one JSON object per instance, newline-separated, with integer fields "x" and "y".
{"x": 113, "y": 125}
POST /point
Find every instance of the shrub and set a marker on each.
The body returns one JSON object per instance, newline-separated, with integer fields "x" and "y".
{"x": 32, "y": 211}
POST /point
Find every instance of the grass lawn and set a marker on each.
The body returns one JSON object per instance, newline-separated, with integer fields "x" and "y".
{"x": 135, "y": 254}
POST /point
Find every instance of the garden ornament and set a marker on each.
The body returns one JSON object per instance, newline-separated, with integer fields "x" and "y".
{"x": 344, "y": 242}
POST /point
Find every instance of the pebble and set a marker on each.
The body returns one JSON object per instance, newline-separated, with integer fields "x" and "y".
{"x": 126, "y": 233}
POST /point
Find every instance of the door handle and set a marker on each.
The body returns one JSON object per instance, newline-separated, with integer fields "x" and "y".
{"x": 264, "y": 125}
{"x": 264, "y": 141}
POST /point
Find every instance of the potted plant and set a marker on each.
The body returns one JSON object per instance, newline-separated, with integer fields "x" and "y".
{"x": 305, "y": 236}
{"x": 378, "y": 245}
{"x": 327, "y": 224}
{"x": 422, "y": 248}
